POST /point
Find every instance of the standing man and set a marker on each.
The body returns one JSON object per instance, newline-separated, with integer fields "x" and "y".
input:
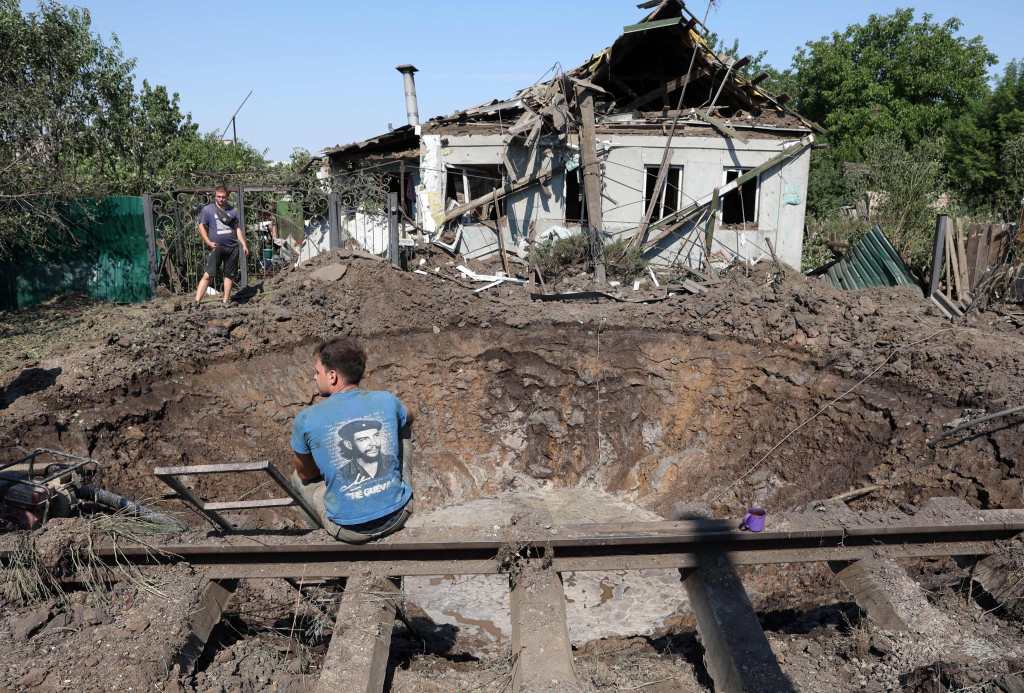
{"x": 352, "y": 449}
{"x": 222, "y": 233}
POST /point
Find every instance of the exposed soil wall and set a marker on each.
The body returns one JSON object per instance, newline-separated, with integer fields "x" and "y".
{"x": 756, "y": 392}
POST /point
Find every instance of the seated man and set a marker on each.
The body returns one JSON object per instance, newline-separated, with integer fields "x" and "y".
{"x": 352, "y": 449}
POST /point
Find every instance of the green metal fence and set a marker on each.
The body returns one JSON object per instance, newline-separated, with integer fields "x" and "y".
{"x": 105, "y": 254}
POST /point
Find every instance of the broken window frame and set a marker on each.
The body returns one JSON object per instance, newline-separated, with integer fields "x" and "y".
{"x": 674, "y": 180}
{"x": 756, "y": 183}
{"x": 463, "y": 175}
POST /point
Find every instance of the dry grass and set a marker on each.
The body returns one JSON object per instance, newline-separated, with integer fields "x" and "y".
{"x": 30, "y": 578}
{"x": 27, "y": 579}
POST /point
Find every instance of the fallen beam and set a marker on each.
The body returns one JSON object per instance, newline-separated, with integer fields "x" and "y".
{"x": 212, "y": 602}
{"x": 880, "y": 587}
{"x": 506, "y": 189}
{"x": 540, "y": 634}
{"x": 736, "y": 652}
{"x": 667, "y": 88}
{"x": 357, "y": 657}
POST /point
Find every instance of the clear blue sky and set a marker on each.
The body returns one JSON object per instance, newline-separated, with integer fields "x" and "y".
{"x": 323, "y": 72}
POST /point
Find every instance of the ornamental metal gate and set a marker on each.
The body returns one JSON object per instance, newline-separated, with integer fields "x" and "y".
{"x": 286, "y": 220}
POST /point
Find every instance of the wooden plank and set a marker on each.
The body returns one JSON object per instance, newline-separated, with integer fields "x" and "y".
{"x": 640, "y": 561}
{"x": 212, "y": 468}
{"x": 953, "y": 276}
{"x": 709, "y": 232}
{"x": 938, "y": 254}
{"x": 394, "y": 252}
{"x": 724, "y": 128}
{"x": 591, "y": 179}
{"x": 212, "y": 602}
{"x": 666, "y": 88}
{"x": 656, "y": 24}
{"x": 946, "y": 305}
{"x": 670, "y": 223}
{"x": 250, "y": 504}
{"x": 540, "y": 634}
{"x": 186, "y": 494}
{"x": 506, "y": 189}
{"x": 736, "y": 651}
{"x": 981, "y": 254}
{"x": 972, "y": 253}
{"x": 357, "y": 657}
{"x": 961, "y": 254}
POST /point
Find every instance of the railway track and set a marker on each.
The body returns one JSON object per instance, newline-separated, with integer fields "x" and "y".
{"x": 862, "y": 551}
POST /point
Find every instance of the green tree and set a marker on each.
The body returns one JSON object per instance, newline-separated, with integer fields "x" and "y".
{"x": 985, "y": 156}
{"x": 72, "y": 126}
{"x": 892, "y": 75}
{"x": 58, "y": 85}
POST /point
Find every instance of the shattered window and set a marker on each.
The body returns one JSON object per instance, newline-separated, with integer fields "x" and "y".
{"x": 575, "y": 210}
{"x": 671, "y": 192}
{"x": 467, "y": 183}
{"x": 740, "y": 205}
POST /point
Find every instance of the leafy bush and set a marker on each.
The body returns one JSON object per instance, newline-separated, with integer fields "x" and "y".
{"x": 623, "y": 262}
{"x": 908, "y": 183}
{"x": 556, "y": 258}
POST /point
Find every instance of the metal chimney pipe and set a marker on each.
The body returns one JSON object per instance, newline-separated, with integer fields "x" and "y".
{"x": 411, "y": 107}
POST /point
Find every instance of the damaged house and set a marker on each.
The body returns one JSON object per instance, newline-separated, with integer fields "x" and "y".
{"x": 656, "y": 140}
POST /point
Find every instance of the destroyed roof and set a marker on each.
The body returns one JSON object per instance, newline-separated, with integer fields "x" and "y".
{"x": 644, "y": 72}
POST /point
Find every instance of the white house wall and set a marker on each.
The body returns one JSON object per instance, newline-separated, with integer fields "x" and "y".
{"x": 430, "y": 191}
{"x": 703, "y": 160}
{"x": 624, "y": 157}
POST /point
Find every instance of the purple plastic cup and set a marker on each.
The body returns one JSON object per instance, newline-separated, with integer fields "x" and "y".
{"x": 754, "y": 519}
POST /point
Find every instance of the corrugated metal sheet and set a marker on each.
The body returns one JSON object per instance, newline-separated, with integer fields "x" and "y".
{"x": 871, "y": 261}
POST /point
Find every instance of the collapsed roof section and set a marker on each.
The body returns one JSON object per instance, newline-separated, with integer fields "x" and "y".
{"x": 651, "y": 64}
{"x": 656, "y": 68}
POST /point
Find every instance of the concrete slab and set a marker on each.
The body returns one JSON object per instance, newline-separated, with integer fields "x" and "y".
{"x": 617, "y": 603}
{"x": 357, "y": 657}
{"x": 212, "y": 602}
{"x": 329, "y": 273}
{"x": 736, "y": 652}
{"x": 540, "y": 636}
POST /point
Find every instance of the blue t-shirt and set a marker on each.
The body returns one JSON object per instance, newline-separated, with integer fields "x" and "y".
{"x": 220, "y": 232}
{"x": 353, "y": 437}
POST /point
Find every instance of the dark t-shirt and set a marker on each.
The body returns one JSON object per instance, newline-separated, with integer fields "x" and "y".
{"x": 219, "y": 232}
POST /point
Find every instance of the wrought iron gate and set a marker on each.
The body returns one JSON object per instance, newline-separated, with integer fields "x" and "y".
{"x": 285, "y": 219}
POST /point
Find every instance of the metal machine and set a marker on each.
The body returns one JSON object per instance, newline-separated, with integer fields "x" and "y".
{"x": 50, "y": 483}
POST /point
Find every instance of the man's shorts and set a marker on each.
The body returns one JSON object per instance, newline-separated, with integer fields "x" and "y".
{"x": 224, "y": 258}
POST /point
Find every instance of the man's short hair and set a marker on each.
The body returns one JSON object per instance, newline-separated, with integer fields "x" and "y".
{"x": 349, "y": 430}
{"x": 221, "y": 188}
{"x": 345, "y": 355}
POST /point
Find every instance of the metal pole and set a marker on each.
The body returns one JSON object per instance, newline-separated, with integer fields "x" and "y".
{"x": 334, "y": 218}
{"x": 411, "y": 108}
{"x": 243, "y": 261}
{"x": 393, "y": 248}
{"x": 401, "y": 187}
{"x": 147, "y": 217}
{"x": 234, "y": 131}
{"x": 941, "y": 223}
